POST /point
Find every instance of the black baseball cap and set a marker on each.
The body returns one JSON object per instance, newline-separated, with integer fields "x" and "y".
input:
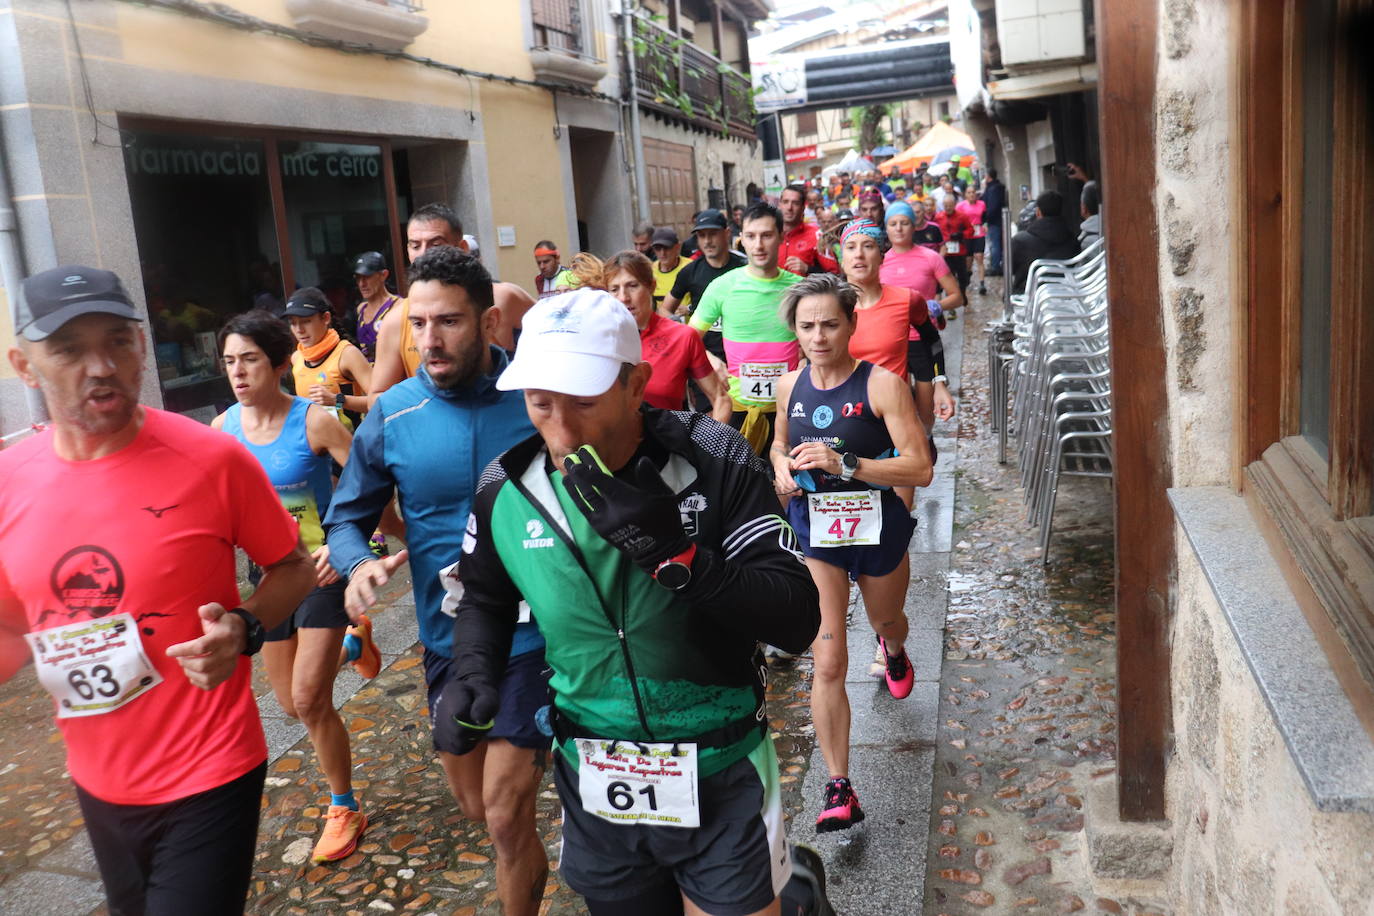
{"x": 307, "y": 301}
{"x": 50, "y": 299}
{"x": 368, "y": 263}
{"x": 665, "y": 237}
{"x": 710, "y": 219}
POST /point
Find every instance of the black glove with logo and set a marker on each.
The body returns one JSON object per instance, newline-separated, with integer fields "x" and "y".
{"x": 471, "y": 705}
{"x": 641, "y": 519}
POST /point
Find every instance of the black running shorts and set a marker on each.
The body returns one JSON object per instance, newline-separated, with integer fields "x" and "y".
{"x": 193, "y": 855}
{"x": 322, "y": 609}
{"x": 523, "y": 690}
{"x": 734, "y": 864}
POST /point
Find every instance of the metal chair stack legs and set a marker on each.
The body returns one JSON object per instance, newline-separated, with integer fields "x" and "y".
{"x": 1050, "y": 380}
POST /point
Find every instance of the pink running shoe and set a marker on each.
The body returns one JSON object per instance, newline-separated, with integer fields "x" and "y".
{"x": 900, "y": 678}
{"x": 841, "y": 808}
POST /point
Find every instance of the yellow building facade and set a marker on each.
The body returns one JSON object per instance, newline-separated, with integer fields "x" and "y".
{"x": 218, "y": 156}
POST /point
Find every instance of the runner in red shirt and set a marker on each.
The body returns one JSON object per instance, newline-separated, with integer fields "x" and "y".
{"x": 117, "y": 537}
{"x": 672, "y": 349}
{"x": 801, "y": 250}
{"x": 976, "y": 211}
{"x": 957, "y": 230}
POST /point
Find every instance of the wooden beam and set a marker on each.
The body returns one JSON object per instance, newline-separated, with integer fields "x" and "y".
{"x": 1351, "y": 490}
{"x": 1126, "y": 50}
{"x": 1266, "y": 270}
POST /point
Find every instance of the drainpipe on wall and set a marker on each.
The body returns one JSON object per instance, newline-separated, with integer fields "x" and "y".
{"x": 636, "y": 138}
{"x": 12, "y": 273}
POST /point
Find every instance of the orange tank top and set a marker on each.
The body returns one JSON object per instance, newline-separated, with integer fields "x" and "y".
{"x": 326, "y": 373}
{"x": 410, "y": 354}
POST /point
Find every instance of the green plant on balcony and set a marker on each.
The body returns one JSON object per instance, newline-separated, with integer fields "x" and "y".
{"x": 661, "y": 53}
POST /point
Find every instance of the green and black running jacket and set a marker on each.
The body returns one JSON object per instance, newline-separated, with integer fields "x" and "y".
{"x": 631, "y": 659}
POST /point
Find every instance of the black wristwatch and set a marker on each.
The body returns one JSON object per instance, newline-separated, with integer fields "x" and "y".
{"x": 254, "y": 634}
{"x": 339, "y": 400}
{"x": 849, "y": 463}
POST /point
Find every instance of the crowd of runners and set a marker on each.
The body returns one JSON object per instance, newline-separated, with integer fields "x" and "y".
{"x": 614, "y": 495}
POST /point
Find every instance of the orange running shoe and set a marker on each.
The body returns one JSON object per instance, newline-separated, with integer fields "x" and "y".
{"x": 369, "y": 662}
{"x": 342, "y": 828}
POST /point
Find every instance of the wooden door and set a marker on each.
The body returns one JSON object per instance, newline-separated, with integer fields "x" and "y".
{"x": 672, "y": 179}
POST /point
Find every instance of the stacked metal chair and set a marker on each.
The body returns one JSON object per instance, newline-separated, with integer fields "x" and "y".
{"x": 1051, "y": 379}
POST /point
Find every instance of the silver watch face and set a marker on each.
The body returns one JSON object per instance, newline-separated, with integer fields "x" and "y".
{"x": 674, "y": 575}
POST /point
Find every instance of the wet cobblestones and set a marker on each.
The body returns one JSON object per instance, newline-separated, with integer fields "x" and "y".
{"x": 1028, "y": 706}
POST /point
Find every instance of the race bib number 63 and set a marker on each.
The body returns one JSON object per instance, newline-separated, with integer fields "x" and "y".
{"x": 92, "y": 667}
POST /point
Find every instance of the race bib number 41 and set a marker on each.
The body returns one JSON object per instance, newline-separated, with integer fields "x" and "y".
{"x": 625, "y": 782}
{"x": 92, "y": 667}
{"x": 758, "y": 381}
{"x": 849, "y": 519}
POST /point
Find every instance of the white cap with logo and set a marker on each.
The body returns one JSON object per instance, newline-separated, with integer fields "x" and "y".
{"x": 573, "y": 343}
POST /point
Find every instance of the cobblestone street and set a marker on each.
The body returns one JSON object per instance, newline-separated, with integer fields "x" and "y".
{"x": 1027, "y": 695}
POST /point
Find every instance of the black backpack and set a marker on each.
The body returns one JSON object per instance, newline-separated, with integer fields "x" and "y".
{"x": 804, "y": 894}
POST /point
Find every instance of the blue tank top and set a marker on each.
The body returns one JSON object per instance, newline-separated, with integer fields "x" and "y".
{"x": 842, "y": 418}
{"x": 301, "y": 478}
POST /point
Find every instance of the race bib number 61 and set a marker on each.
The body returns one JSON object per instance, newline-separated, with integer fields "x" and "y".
{"x": 625, "y": 782}
{"x": 92, "y": 667}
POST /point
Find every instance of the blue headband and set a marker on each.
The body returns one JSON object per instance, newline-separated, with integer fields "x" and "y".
{"x": 901, "y": 208}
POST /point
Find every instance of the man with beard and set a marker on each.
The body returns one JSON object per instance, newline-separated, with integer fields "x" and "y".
{"x": 429, "y": 438}
{"x": 117, "y": 532}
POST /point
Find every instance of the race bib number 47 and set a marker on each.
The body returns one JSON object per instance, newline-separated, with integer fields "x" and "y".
{"x": 625, "y": 782}
{"x": 758, "y": 381}
{"x": 92, "y": 667}
{"x": 847, "y": 519}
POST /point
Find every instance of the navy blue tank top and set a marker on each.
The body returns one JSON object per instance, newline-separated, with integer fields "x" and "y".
{"x": 842, "y": 418}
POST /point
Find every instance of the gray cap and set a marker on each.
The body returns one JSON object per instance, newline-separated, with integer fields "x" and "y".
{"x": 50, "y": 299}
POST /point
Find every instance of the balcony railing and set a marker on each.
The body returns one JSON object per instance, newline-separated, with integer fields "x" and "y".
{"x": 557, "y": 24}
{"x": 564, "y": 48}
{"x": 678, "y": 79}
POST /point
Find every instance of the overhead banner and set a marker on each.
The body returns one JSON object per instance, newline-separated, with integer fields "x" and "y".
{"x": 779, "y": 81}
{"x": 802, "y": 154}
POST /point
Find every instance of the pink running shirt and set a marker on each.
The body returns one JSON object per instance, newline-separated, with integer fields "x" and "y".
{"x": 919, "y": 269}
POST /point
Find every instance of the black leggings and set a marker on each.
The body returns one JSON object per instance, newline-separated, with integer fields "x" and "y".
{"x": 194, "y": 855}
{"x": 664, "y": 900}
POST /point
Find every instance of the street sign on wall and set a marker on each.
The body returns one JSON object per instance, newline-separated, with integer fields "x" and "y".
{"x": 779, "y": 81}
{"x": 774, "y": 179}
{"x": 802, "y": 154}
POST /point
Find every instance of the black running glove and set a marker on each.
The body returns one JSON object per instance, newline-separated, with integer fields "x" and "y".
{"x": 641, "y": 518}
{"x": 471, "y": 704}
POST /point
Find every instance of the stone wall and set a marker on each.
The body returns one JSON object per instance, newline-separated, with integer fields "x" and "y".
{"x": 1247, "y": 838}
{"x": 1194, "y": 190}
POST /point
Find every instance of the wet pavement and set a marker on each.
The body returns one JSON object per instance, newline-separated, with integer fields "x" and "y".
{"x": 1027, "y": 716}
{"x": 980, "y": 774}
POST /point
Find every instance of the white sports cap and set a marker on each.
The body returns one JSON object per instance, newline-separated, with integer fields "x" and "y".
{"x": 573, "y": 343}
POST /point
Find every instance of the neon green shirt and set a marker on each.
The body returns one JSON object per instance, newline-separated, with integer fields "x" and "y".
{"x": 758, "y": 345}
